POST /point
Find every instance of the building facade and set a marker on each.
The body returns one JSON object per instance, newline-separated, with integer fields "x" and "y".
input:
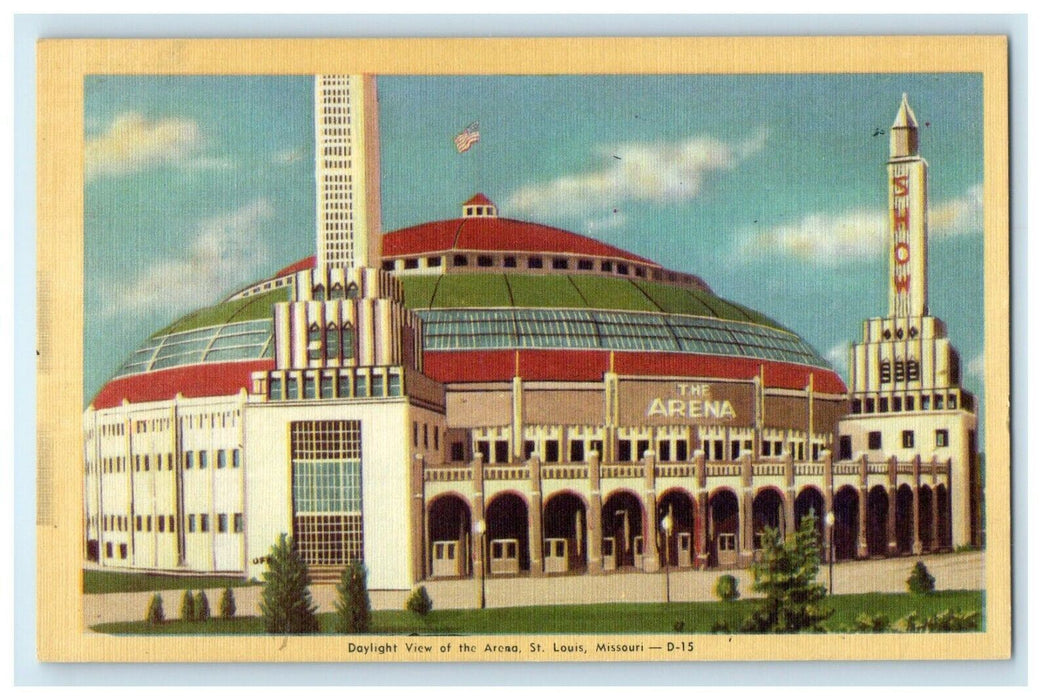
{"x": 486, "y": 392}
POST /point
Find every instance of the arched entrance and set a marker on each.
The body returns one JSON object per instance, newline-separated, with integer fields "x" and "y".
{"x": 905, "y": 519}
{"x": 564, "y": 533}
{"x": 846, "y": 523}
{"x": 943, "y": 502}
{"x": 925, "y": 516}
{"x": 679, "y": 506}
{"x": 507, "y": 534}
{"x": 723, "y": 512}
{"x": 878, "y": 522}
{"x": 622, "y": 535}
{"x": 810, "y": 502}
{"x": 768, "y": 513}
{"x": 448, "y": 531}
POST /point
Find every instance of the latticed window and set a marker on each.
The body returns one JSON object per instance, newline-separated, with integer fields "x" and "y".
{"x": 331, "y": 342}
{"x": 327, "y": 491}
{"x": 347, "y": 341}
{"x": 313, "y": 346}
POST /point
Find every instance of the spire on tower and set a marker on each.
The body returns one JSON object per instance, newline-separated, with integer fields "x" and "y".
{"x": 904, "y": 140}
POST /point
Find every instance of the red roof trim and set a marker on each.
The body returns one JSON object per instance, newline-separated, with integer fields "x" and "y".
{"x": 478, "y": 198}
{"x": 590, "y": 365}
{"x": 304, "y": 264}
{"x": 192, "y": 381}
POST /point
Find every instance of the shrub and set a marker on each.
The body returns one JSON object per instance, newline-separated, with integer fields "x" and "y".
{"x": 419, "y": 601}
{"x": 201, "y": 607}
{"x": 188, "y": 610}
{"x": 727, "y": 587}
{"x": 866, "y": 623}
{"x": 287, "y": 606}
{"x": 353, "y": 607}
{"x": 155, "y": 611}
{"x": 227, "y": 606}
{"x": 943, "y": 621}
{"x": 920, "y": 581}
{"x": 786, "y": 574}
{"x": 679, "y": 626}
{"x": 720, "y": 627}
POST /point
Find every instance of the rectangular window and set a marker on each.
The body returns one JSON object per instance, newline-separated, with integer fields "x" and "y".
{"x": 937, "y": 402}
{"x": 238, "y": 522}
{"x": 913, "y": 370}
{"x": 361, "y": 385}
{"x": 642, "y": 448}
{"x": 925, "y": 402}
{"x": 868, "y": 405}
{"x": 897, "y": 404}
{"x": 681, "y": 450}
{"x": 719, "y": 450}
{"x": 577, "y": 451}
{"x": 327, "y": 387}
{"x": 458, "y": 453}
{"x": 395, "y": 387}
{"x": 223, "y": 523}
{"x": 857, "y": 406}
{"x": 883, "y": 405}
{"x": 535, "y": 263}
{"x": 138, "y": 463}
{"x": 331, "y": 343}
{"x": 138, "y": 523}
{"x": 502, "y": 451}
{"x": 109, "y": 550}
{"x": 816, "y": 448}
{"x": 459, "y": 260}
{"x": 899, "y": 371}
{"x": 415, "y": 433}
{"x": 560, "y": 263}
{"x": 606, "y": 266}
{"x": 145, "y": 463}
{"x": 171, "y": 461}
{"x": 205, "y": 522}
{"x": 623, "y": 450}
{"x": 550, "y": 451}
{"x": 907, "y": 438}
{"x": 203, "y": 459}
{"x": 293, "y": 388}
{"x": 161, "y": 521}
{"x": 171, "y": 523}
{"x": 309, "y": 387}
{"x": 411, "y": 263}
{"x": 908, "y": 403}
{"x": 622, "y": 269}
{"x": 220, "y": 459}
{"x": 952, "y": 401}
{"x": 509, "y": 261}
{"x": 123, "y": 551}
{"x": 845, "y": 447}
{"x": 236, "y": 458}
{"x": 941, "y": 438}
{"x": 485, "y": 261}
{"x": 664, "y": 450}
{"x": 485, "y": 448}
{"x": 426, "y": 435}
{"x": 377, "y": 385}
{"x": 734, "y": 454}
{"x": 585, "y": 265}
{"x": 274, "y": 390}
{"x": 598, "y": 447}
{"x": 874, "y": 440}
{"x": 766, "y": 448}
{"x": 191, "y": 523}
{"x": 433, "y": 262}
{"x": 344, "y": 386}
{"x": 885, "y": 372}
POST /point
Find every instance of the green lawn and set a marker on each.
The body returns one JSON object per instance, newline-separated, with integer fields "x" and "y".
{"x": 623, "y": 618}
{"x": 121, "y": 582}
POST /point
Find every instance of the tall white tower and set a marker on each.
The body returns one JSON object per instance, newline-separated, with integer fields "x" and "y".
{"x": 905, "y": 391}
{"x": 908, "y": 231}
{"x": 346, "y": 125}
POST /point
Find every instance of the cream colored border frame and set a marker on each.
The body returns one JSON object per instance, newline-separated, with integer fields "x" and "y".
{"x": 61, "y": 67}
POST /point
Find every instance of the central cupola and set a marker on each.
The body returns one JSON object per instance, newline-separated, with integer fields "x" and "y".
{"x": 480, "y": 207}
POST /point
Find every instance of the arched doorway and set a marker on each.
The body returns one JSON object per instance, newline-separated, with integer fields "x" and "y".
{"x": 943, "y": 502}
{"x": 621, "y": 531}
{"x": 905, "y": 519}
{"x": 723, "y": 512}
{"x": 507, "y": 534}
{"x": 925, "y": 516}
{"x": 810, "y": 502}
{"x": 846, "y": 523}
{"x": 448, "y": 530}
{"x": 678, "y": 545}
{"x": 878, "y": 522}
{"x": 768, "y": 513}
{"x": 564, "y": 533}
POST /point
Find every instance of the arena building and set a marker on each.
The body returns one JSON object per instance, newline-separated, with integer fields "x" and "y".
{"x": 489, "y": 392}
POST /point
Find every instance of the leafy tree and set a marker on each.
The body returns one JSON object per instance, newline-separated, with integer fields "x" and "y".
{"x": 155, "y": 611}
{"x": 188, "y": 610}
{"x": 227, "y": 606}
{"x": 786, "y": 575}
{"x": 287, "y": 606}
{"x": 920, "y": 581}
{"x": 419, "y": 601}
{"x": 201, "y": 607}
{"x": 727, "y": 587}
{"x": 876, "y": 623}
{"x": 353, "y": 608}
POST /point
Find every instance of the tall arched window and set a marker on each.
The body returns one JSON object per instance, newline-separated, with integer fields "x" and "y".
{"x": 352, "y": 291}
{"x": 336, "y": 291}
{"x": 318, "y": 291}
{"x": 331, "y": 342}
{"x": 347, "y": 341}
{"x": 313, "y": 347}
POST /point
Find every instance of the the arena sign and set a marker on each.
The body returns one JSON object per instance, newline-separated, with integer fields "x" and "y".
{"x": 694, "y": 401}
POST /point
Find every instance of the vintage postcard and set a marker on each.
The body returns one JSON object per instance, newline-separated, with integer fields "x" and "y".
{"x": 523, "y": 350}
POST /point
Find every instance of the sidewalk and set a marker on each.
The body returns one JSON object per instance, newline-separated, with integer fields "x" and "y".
{"x": 963, "y": 571}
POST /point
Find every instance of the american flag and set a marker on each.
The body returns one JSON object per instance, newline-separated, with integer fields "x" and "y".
{"x": 467, "y": 137}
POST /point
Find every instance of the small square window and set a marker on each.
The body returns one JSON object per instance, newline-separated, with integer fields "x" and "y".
{"x": 941, "y": 438}
{"x": 459, "y": 261}
{"x": 560, "y": 263}
{"x": 907, "y": 438}
{"x": 550, "y": 451}
{"x": 874, "y": 440}
{"x": 535, "y": 263}
{"x": 411, "y": 263}
{"x": 485, "y": 261}
{"x": 622, "y": 269}
{"x": 606, "y": 266}
{"x": 433, "y": 262}
{"x": 510, "y": 261}
{"x": 585, "y": 265}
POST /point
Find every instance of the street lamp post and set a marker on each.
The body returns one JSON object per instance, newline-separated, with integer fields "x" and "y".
{"x": 480, "y": 528}
{"x": 830, "y": 552}
{"x": 668, "y": 526}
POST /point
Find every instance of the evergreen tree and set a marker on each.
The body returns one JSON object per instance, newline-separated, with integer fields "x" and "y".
{"x": 287, "y": 606}
{"x": 227, "y": 606}
{"x": 201, "y": 607}
{"x": 188, "y": 611}
{"x": 786, "y": 575}
{"x": 155, "y": 611}
{"x": 419, "y": 601}
{"x": 921, "y": 581}
{"x": 353, "y": 607}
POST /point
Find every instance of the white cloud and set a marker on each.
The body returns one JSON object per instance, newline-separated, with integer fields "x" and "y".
{"x": 975, "y": 367}
{"x": 133, "y": 143}
{"x": 289, "y": 155}
{"x": 224, "y": 249}
{"x": 658, "y": 172}
{"x": 860, "y": 233}
{"x": 838, "y": 356}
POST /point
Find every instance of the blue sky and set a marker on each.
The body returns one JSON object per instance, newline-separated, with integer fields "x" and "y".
{"x": 770, "y": 187}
